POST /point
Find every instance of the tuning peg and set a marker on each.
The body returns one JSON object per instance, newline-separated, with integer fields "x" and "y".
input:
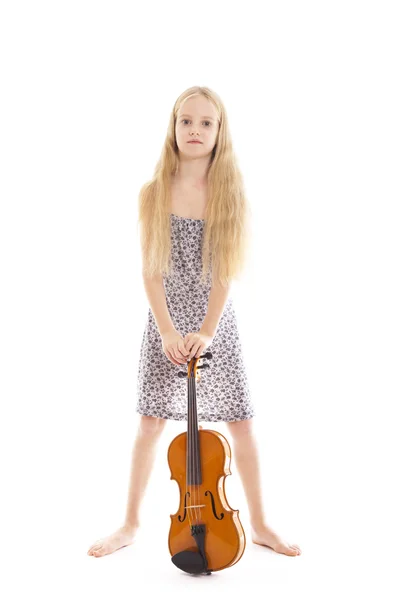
{"x": 206, "y": 355}
{"x": 182, "y": 374}
{"x": 205, "y": 366}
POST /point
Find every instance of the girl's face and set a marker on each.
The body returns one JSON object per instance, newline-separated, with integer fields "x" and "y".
{"x": 197, "y": 119}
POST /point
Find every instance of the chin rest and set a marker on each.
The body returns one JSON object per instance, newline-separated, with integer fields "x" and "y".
{"x": 190, "y": 561}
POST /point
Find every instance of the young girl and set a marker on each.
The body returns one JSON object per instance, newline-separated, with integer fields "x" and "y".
{"x": 194, "y": 238}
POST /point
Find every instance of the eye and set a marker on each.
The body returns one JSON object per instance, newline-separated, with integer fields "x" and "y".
{"x": 183, "y": 121}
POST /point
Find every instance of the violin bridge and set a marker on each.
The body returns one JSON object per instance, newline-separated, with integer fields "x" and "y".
{"x": 196, "y": 506}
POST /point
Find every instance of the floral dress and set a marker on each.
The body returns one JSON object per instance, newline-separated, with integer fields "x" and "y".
{"x": 222, "y": 392}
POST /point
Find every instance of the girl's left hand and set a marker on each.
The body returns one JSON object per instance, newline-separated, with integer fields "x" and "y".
{"x": 196, "y": 342}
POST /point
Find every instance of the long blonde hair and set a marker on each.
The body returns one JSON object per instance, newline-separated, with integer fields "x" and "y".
{"x": 226, "y": 234}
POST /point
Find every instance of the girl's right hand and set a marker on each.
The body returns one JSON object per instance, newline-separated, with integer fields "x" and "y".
{"x": 173, "y": 346}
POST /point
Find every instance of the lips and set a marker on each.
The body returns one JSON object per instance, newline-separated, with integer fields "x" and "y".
{"x": 194, "y": 142}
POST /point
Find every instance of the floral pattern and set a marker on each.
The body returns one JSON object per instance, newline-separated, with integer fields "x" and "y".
{"x": 222, "y": 391}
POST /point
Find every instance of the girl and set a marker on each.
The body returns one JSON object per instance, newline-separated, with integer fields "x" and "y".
{"x": 194, "y": 238}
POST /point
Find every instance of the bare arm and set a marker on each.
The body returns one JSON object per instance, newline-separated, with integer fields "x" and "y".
{"x": 155, "y": 292}
{"x": 216, "y": 303}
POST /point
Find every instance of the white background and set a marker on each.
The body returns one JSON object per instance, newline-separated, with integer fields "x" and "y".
{"x": 312, "y": 94}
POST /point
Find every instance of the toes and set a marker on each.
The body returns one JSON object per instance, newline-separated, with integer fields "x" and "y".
{"x": 94, "y": 548}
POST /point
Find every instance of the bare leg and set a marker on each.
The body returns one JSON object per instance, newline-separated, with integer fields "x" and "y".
{"x": 143, "y": 455}
{"x": 246, "y": 457}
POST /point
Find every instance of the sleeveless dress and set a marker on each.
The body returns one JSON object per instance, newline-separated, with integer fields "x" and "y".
{"x": 222, "y": 392}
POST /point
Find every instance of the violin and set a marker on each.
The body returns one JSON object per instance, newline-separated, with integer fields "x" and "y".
{"x": 206, "y": 534}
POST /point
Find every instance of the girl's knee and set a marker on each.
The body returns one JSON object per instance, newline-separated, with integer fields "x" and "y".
{"x": 240, "y": 428}
{"x": 151, "y": 425}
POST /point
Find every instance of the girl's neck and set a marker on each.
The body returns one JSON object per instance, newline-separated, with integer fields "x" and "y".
{"x": 193, "y": 173}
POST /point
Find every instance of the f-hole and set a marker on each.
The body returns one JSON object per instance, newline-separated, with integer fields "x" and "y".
{"x": 184, "y": 513}
{"x": 213, "y": 506}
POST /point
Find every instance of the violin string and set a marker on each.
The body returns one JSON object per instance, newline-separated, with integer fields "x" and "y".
{"x": 196, "y": 457}
{"x": 188, "y": 459}
{"x": 199, "y": 488}
{"x": 192, "y": 499}
{"x": 191, "y": 432}
{"x": 193, "y": 502}
{"x": 192, "y": 464}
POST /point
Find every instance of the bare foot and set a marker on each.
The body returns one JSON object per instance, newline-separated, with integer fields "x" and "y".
{"x": 122, "y": 537}
{"x": 265, "y": 536}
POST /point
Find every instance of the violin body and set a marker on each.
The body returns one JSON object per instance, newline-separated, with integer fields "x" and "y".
{"x": 206, "y": 534}
{"x": 224, "y": 540}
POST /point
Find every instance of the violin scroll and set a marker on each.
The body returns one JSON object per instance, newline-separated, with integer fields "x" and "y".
{"x": 192, "y": 365}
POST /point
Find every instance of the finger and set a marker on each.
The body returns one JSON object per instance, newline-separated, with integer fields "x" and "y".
{"x": 189, "y": 346}
{"x": 172, "y": 353}
{"x": 195, "y": 340}
{"x": 184, "y": 351}
{"x": 179, "y": 353}
{"x": 171, "y": 358}
{"x": 194, "y": 350}
{"x": 176, "y": 354}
